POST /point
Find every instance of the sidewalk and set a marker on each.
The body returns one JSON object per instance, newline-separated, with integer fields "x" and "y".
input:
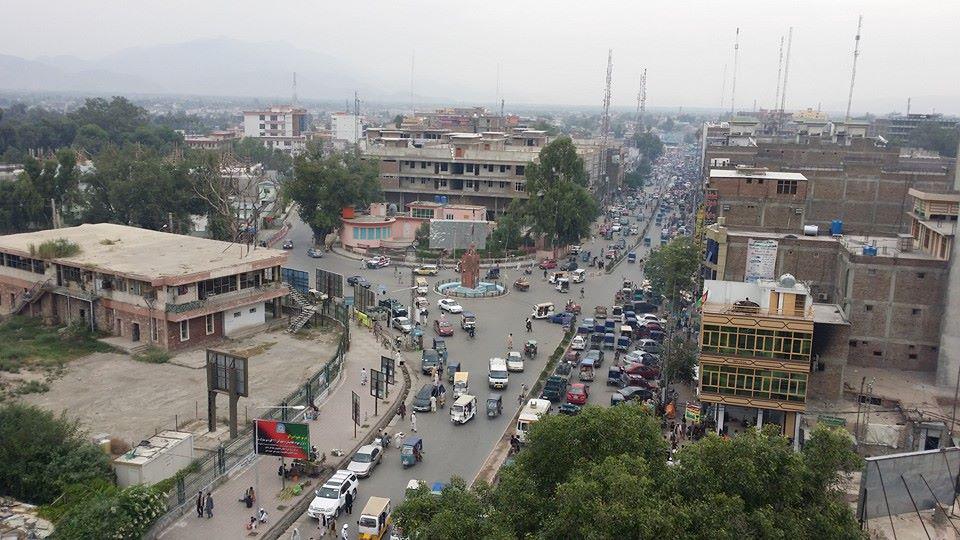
{"x": 332, "y": 430}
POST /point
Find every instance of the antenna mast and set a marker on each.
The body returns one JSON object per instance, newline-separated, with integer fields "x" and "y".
{"x": 853, "y": 72}
{"x": 605, "y": 121}
{"x": 723, "y": 88}
{"x": 736, "y": 58}
{"x": 356, "y": 118}
{"x": 294, "y": 87}
{"x": 413, "y": 57}
{"x": 776, "y": 97}
{"x": 642, "y": 99}
{"x": 786, "y": 73}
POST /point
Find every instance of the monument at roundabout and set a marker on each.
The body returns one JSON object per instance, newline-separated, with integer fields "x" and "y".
{"x": 470, "y": 285}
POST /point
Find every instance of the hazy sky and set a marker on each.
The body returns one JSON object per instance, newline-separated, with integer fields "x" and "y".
{"x": 552, "y": 51}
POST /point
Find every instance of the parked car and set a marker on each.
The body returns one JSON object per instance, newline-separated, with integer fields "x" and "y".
{"x": 288, "y": 244}
{"x": 358, "y": 280}
{"x": 442, "y": 328}
{"x": 378, "y": 262}
{"x": 548, "y": 264}
{"x": 577, "y": 394}
{"x": 315, "y": 253}
{"x": 449, "y": 305}
{"x": 402, "y": 324}
{"x": 366, "y": 458}
{"x": 596, "y": 355}
{"x": 330, "y": 499}
{"x": 630, "y": 393}
{"x": 421, "y": 402}
{"x": 569, "y": 266}
{"x": 578, "y": 343}
{"x": 426, "y": 270}
{"x": 395, "y": 308}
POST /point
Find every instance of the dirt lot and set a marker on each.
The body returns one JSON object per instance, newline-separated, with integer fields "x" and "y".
{"x": 113, "y": 394}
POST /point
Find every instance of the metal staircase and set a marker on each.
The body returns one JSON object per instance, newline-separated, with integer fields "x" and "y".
{"x": 30, "y": 296}
{"x": 307, "y": 310}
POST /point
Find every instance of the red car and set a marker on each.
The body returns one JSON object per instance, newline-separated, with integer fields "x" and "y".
{"x": 645, "y": 371}
{"x": 577, "y": 394}
{"x": 547, "y": 264}
{"x": 442, "y": 328}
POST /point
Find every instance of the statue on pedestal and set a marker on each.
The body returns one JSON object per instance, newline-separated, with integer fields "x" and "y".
{"x": 470, "y": 268}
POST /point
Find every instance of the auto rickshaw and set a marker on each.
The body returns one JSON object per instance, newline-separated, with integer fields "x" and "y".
{"x": 411, "y": 452}
{"x": 452, "y": 369}
{"x": 494, "y": 405}
{"x": 542, "y": 311}
{"x": 493, "y": 273}
{"x": 530, "y": 348}
{"x": 521, "y": 284}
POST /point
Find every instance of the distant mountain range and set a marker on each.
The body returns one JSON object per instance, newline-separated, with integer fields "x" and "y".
{"x": 219, "y": 67}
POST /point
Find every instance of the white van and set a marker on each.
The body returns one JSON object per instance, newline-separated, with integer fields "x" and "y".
{"x": 532, "y": 411}
{"x": 579, "y": 275}
{"x": 331, "y": 498}
{"x": 463, "y": 409}
{"x": 498, "y": 376}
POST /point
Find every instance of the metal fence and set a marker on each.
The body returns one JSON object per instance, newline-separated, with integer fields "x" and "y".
{"x": 208, "y": 471}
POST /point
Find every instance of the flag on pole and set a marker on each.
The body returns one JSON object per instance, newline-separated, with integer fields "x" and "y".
{"x": 703, "y": 299}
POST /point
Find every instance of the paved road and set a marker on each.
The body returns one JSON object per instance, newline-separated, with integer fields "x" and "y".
{"x": 461, "y": 450}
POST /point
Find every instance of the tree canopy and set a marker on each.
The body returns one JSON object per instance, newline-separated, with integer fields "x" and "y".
{"x": 603, "y": 474}
{"x": 670, "y": 268}
{"x": 935, "y": 138}
{"x": 322, "y": 186}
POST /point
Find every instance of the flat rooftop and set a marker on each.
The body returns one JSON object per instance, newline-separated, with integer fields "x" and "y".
{"x": 829, "y": 314}
{"x": 157, "y": 257}
{"x": 754, "y": 173}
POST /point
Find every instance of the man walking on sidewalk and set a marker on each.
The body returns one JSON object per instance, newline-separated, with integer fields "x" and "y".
{"x": 363, "y": 377}
{"x": 413, "y": 421}
{"x": 200, "y": 503}
{"x": 402, "y": 410}
{"x": 349, "y": 503}
{"x": 208, "y": 505}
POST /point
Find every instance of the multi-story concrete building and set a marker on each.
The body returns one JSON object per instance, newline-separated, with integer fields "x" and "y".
{"x": 458, "y": 119}
{"x": 862, "y": 182}
{"x": 161, "y": 289}
{"x": 281, "y": 128}
{"x": 760, "y": 345}
{"x": 346, "y": 127}
{"x": 899, "y": 127}
{"x": 219, "y": 140}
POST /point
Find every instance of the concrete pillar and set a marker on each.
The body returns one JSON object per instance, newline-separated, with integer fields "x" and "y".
{"x": 948, "y": 359}
{"x": 796, "y": 431}
{"x": 720, "y": 414}
{"x": 759, "y": 418}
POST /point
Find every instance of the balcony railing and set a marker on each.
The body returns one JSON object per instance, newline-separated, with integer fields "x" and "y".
{"x": 758, "y": 311}
{"x": 217, "y": 299}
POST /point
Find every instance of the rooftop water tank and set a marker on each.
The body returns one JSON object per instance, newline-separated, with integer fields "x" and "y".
{"x": 836, "y": 228}
{"x": 811, "y": 230}
{"x": 870, "y": 251}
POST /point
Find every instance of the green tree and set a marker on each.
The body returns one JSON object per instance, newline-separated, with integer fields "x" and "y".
{"x": 458, "y": 512}
{"x": 397, "y": 120}
{"x": 254, "y": 150}
{"x": 507, "y": 234}
{"x": 649, "y": 145}
{"x": 680, "y": 359}
{"x": 323, "y": 186}
{"x": 670, "y": 269}
{"x": 21, "y": 206}
{"x": 559, "y": 205}
{"x": 935, "y": 138}
{"x": 126, "y": 513}
{"x": 41, "y": 454}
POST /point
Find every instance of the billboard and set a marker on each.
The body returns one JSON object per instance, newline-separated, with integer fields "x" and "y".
{"x": 297, "y": 279}
{"x": 285, "y": 439}
{"x": 761, "y": 260}
{"x": 219, "y": 366}
{"x": 330, "y": 283}
{"x": 451, "y": 234}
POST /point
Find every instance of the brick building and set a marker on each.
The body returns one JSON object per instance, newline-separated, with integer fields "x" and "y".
{"x": 166, "y": 290}
{"x": 862, "y": 182}
{"x": 892, "y": 289}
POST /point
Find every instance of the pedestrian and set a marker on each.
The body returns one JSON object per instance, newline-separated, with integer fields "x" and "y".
{"x": 252, "y": 524}
{"x": 262, "y": 515}
{"x": 208, "y": 505}
{"x": 200, "y": 503}
{"x": 333, "y": 525}
{"x": 295, "y": 535}
{"x": 413, "y": 421}
{"x": 433, "y": 403}
{"x": 345, "y": 532}
{"x": 322, "y": 525}
{"x": 510, "y": 342}
{"x": 402, "y": 410}
{"x": 348, "y": 502}
{"x": 363, "y": 377}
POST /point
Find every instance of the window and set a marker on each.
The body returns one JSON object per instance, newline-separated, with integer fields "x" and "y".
{"x": 136, "y": 287}
{"x": 503, "y": 168}
{"x": 69, "y": 273}
{"x": 519, "y": 186}
{"x": 423, "y": 164}
{"x": 754, "y": 383}
{"x": 921, "y": 275}
{"x": 871, "y": 271}
{"x": 236, "y": 314}
{"x": 356, "y": 233}
{"x": 915, "y": 311}
{"x": 444, "y": 167}
{"x": 878, "y": 353}
{"x": 182, "y": 290}
{"x": 868, "y": 307}
{"x": 253, "y": 310}
{"x": 220, "y": 285}
{"x": 184, "y": 330}
{"x": 209, "y": 323}
{"x": 853, "y": 343}
{"x": 749, "y": 180}
{"x": 520, "y": 169}
{"x": 503, "y": 185}
{"x": 423, "y": 213}
{"x": 154, "y": 329}
{"x": 449, "y": 216}
{"x": 912, "y": 356}
{"x": 787, "y": 187}
{"x": 757, "y": 342}
{"x": 468, "y": 183}
{"x": 250, "y": 279}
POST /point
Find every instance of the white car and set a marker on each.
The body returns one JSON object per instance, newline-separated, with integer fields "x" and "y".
{"x": 402, "y": 324}
{"x": 514, "y": 361}
{"x": 615, "y": 228}
{"x": 449, "y": 305}
{"x": 330, "y": 499}
{"x": 378, "y": 262}
{"x": 578, "y": 343}
{"x": 366, "y": 458}
{"x": 652, "y": 317}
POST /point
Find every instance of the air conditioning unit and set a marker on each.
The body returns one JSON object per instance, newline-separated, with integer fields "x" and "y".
{"x": 798, "y": 211}
{"x": 822, "y": 297}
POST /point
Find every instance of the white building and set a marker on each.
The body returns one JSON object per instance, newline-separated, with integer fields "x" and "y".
{"x": 346, "y": 127}
{"x": 282, "y": 127}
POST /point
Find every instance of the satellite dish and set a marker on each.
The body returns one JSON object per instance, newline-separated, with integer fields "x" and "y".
{"x": 787, "y": 280}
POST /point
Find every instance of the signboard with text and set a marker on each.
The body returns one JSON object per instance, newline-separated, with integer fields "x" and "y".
{"x": 285, "y": 439}
{"x": 761, "y": 259}
{"x": 387, "y": 367}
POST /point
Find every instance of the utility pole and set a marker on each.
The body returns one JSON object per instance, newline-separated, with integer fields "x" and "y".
{"x": 853, "y": 71}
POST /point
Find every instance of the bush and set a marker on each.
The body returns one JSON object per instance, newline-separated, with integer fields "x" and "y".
{"x": 55, "y": 249}
{"x": 32, "y": 387}
{"x": 41, "y": 454}
{"x": 124, "y": 514}
{"x": 153, "y": 355}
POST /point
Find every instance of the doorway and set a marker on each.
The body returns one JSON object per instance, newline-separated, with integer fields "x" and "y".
{"x": 135, "y": 331}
